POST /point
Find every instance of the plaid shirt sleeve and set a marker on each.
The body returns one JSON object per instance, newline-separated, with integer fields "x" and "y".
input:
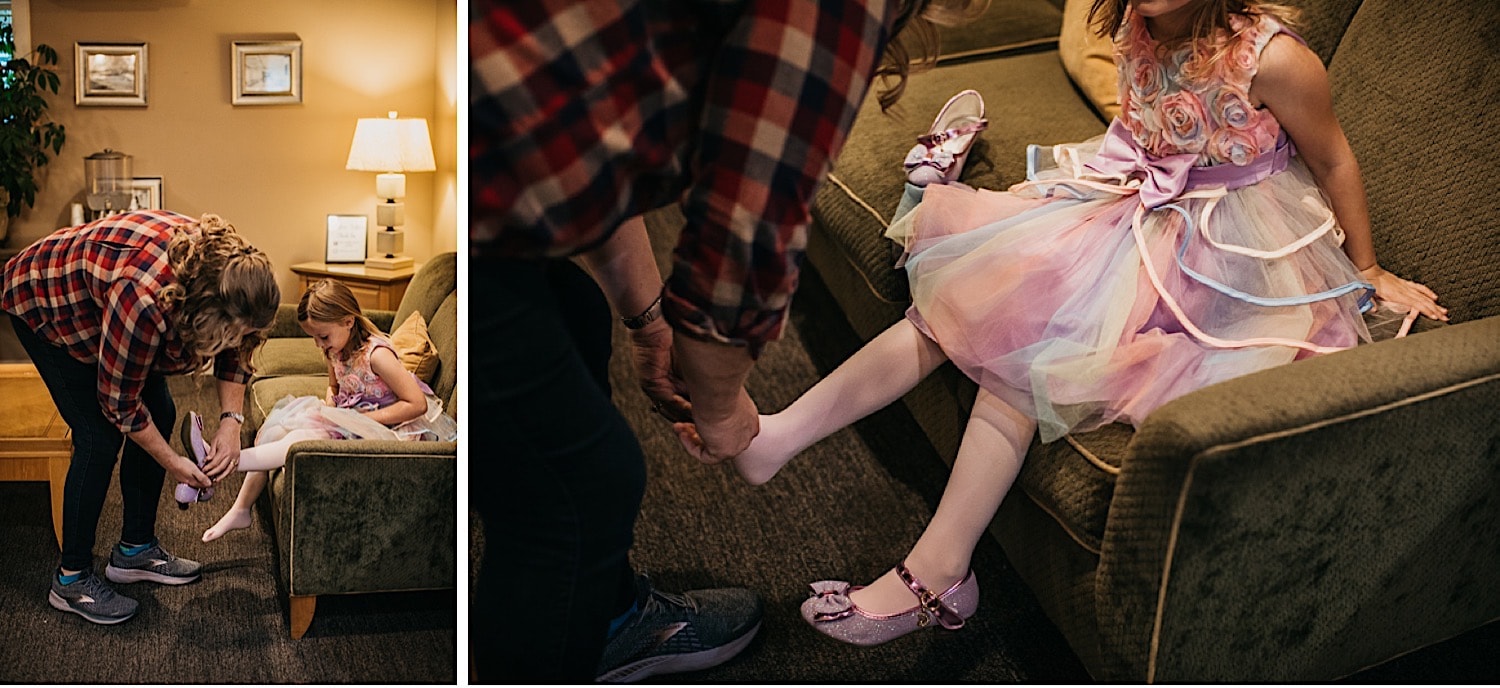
{"x": 584, "y": 110}
{"x": 227, "y": 367}
{"x": 131, "y": 332}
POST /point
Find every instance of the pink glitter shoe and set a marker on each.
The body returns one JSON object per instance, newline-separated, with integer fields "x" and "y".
{"x": 832, "y": 613}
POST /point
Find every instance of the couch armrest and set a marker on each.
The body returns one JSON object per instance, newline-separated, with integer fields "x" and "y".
{"x": 367, "y": 516}
{"x": 1308, "y": 521}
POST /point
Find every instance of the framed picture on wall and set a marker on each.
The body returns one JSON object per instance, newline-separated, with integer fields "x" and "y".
{"x": 267, "y": 72}
{"x": 145, "y": 193}
{"x": 347, "y": 239}
{"x": 110, "y": 74}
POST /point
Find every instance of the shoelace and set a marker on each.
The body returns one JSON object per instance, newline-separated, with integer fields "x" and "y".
{"x": 654, "y": 601}
{"x": 95, "y": 588}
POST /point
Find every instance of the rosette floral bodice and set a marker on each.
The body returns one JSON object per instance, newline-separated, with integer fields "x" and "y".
{"x": 1193, "y": 97}
{"x": 359, "y": 387}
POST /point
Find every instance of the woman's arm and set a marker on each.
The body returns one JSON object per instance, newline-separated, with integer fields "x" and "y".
{"x": 1293, "y": 85}
{"x": 410, "y": 401}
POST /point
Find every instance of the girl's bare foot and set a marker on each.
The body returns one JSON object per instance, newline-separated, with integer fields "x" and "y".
{"x": 234, "y": 519}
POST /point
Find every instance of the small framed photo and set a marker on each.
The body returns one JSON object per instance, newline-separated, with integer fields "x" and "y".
{"x": 145, "y": 194}
{"x": 348, "y": 239}
{"x": 110, "y": 74}
{"x": 267, "y": 72}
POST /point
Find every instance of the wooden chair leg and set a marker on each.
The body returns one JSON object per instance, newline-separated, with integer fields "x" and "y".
{"x": 302, "y": 613}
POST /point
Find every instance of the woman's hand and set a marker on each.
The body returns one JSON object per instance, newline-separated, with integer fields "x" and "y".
{"x": 224, "y": 452}
{"x": 1389, "y": 287}
{"x": 185, "y": 470}
{"x": 651, "y": 352}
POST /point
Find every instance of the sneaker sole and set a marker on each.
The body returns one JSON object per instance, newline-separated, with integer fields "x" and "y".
{"x": 119, "y": 575}
{"x": 61, "y": 604}
{"x": 673, "y": 664}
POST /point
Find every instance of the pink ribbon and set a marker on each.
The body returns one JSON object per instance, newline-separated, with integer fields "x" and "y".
{"x": 1163, "y": 179}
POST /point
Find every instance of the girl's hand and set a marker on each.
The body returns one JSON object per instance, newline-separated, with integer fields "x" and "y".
{"x": 1389, "y": 287}
{"x": 651, "y": 352}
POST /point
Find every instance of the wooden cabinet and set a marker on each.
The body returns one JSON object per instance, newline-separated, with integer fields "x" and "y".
{"x": 374, "y": 288}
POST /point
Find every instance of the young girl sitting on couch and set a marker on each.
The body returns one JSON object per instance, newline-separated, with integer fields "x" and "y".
{"x": 370, "y": 395}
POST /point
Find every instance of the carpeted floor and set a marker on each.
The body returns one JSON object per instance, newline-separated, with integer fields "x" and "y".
{"x": 229, "y": 627}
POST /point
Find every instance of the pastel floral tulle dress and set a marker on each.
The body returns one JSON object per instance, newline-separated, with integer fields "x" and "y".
{"x": 1184, "y": 247}
{"x": 359, "y": 389}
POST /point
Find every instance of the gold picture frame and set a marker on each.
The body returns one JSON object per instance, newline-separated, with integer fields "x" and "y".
{"x": 266, "y": 72}
{"x": 110, "y": 74}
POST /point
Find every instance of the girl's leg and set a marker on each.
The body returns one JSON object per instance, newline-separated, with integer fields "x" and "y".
{"x": 989, "y": 458}
{"x": 255, "y": 461}
{"x": 879, "y": 373}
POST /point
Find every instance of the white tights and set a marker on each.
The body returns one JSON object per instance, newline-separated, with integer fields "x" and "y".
{"x": 989, "y": 457}
{"x": 254, "y": 462}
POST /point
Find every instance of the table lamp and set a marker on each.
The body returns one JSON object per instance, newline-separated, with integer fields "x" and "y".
{"x": 392, "y": 147}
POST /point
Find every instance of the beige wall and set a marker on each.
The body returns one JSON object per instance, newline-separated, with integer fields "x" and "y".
{"x": 274, "y": 171}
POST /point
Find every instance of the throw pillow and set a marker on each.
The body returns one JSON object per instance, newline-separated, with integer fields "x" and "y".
{"x": 415, "y": 349}
{"x": 1089, "y": 58}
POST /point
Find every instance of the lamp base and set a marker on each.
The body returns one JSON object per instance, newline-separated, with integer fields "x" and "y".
{"x": 389, "y": 262}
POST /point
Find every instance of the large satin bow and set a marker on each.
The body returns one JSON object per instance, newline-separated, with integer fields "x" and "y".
{"x": 1162, "y": 178}
{"x": 831, "y": 600}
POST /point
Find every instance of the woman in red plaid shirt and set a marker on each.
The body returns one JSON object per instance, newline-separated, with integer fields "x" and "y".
{"x": 106, "y": 310}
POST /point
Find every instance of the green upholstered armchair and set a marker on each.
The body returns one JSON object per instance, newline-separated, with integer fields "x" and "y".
{"x": 1299, "y": 524}
{"x": 357, "y": 516}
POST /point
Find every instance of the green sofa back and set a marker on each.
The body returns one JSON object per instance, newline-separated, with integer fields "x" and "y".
{"x": 1415, "y": 86}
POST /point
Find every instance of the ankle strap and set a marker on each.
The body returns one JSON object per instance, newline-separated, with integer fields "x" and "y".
{"x": 945, "y": 615}
{"x": 936, "y": 139}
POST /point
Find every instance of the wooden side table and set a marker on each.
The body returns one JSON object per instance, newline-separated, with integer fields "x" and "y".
{"x": 35, "y": 444}
{"x": 372, "y": 287}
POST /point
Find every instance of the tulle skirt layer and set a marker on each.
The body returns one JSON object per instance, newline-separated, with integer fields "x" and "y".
{"x": 310, "y": 413}
{"x": 1042, "y": 295}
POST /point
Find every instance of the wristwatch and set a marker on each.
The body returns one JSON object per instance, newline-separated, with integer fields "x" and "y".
{"x": 231, "y": 414}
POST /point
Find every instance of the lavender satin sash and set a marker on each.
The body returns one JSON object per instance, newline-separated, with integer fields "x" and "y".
{"x": 1165, "y": 178}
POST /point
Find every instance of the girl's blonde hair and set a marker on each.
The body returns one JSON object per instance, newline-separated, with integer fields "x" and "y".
{"x": 1211, "y": 17}
{"x": 330, "y": 301}
{"x": 222, "y": 284}
{"x": 914, "y": 40}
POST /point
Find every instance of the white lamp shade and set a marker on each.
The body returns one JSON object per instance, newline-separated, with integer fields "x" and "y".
{"x": 391, "y": 145}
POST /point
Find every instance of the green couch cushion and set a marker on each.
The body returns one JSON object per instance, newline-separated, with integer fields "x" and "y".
{"x": 1419, "y": 144}
{"x": 289, "y": 356}
{"x": 1005, "y": 25}
{"x": 265, "y": 393}
{"x": 434, "y": 282}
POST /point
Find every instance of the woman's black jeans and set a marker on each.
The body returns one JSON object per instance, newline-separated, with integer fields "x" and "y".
{"x": 555, "y": 472}
{"x": 96, "y": 443}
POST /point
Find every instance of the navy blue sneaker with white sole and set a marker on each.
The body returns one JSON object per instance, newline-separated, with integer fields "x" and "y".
{"x": 91, "y": 599}
{"x": 672, "y": 633}
{"x": 152, "y": 564}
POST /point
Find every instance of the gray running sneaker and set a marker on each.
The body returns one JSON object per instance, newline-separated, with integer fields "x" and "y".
{"x": 673, "y": 633}
{"x": 91, "y": 599}
{"x": 153, "y": 564}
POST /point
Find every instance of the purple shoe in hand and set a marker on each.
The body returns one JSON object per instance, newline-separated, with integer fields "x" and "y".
{"x": 191, "y": 433}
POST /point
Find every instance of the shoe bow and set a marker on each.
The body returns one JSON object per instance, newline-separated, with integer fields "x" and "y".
{"x": 831, "y": 600}
{"x": 936, "y": 157}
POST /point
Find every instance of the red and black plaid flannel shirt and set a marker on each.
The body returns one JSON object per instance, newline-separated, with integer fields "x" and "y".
{"x": 583, "y": 114}
{"x": 91, "y": 291}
